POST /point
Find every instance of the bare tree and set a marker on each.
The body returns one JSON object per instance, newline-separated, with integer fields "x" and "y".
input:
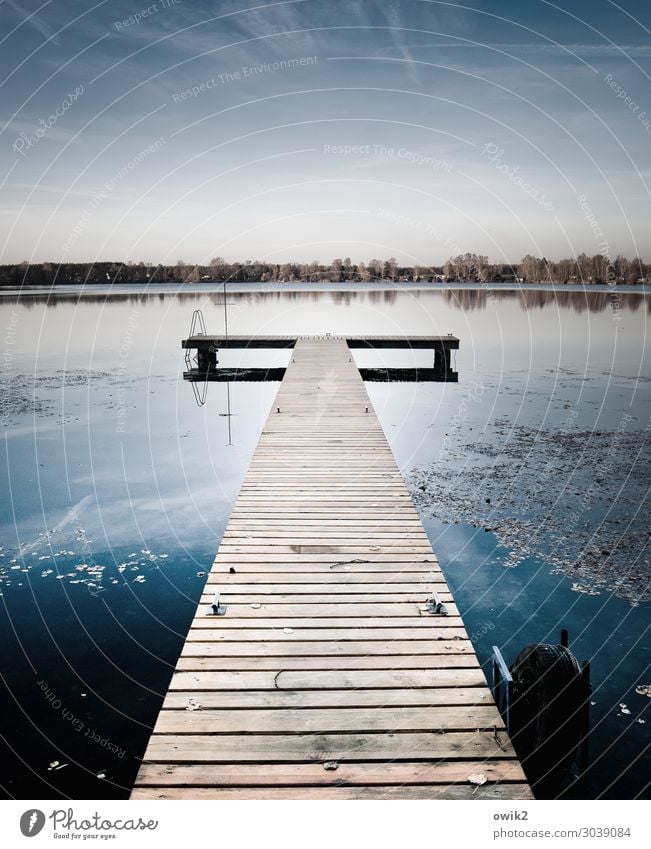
{"x": 335, "y": 269}
{"x": 285, "y": 272}
{"x": 375, "y": 268}
{"x": 529, "y": 268}
{"x": 599, "y": 268}
{"x": 635, "y": 270}
{"x": 390, "y": 268}
{"x": 450, "y": 269}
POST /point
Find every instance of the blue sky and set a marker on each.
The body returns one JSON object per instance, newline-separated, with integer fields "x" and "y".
{"x": 310, "y": 129}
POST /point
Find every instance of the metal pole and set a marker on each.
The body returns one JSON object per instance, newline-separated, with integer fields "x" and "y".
{"x": 225, "y": 316}
{"x": 228, "y": 383}
{"x": 228, "y": 411}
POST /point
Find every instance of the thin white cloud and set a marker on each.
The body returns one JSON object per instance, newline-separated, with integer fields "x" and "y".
{"x": 610, "y": 50}
{"x": 31, "y": 19}
{"x": 392, "y": 13}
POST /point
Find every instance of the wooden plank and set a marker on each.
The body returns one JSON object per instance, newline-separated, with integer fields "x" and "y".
{"x": 274, "y": 557}
{"x": 344, "y": 579}
{"x": 299, "y": 596}
{"x": 369, "y": 624}
{"x": 433, "y": 645}
{"x": 445, "y": 660}
{"x": 311, "y": 748}
{"x": 269, "y": 547}
{"x": 341, "y": 584}
{"x": 354, "y": 536}
{"x": 298, "y": 524}
{"x": 354, "y": 680}
{"x": 279, "y": 615}
{"x": 356, "y": 508}
{"x": 326, "y": 649}
{"x": 321, "y": 720}
{"x": 365, "y": 568}
{"x": 502, "y": 792}
{"x": 300, "y": 607}
{"x": 349, "y": 698}
{"x": 285, "y": 634}
{"x": 314, "y": 775}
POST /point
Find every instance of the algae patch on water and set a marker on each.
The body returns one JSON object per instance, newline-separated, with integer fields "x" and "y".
{"x": 577, "y": 499}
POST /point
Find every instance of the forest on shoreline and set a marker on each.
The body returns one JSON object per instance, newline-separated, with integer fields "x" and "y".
{"x": 462, "y": 268}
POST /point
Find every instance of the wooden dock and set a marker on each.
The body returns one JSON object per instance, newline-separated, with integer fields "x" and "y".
{"x": 207, "y": 347}
{"x": 327, "y": 676}
{"x": 207, "y": 341}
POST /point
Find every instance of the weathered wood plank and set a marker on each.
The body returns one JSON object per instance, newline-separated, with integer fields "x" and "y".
{"x": 321, "y": 720}
{"x": 358, "y": 568}
{"x": 396, "y": 557}
{"x": 313, "y": 525}
{"x": 356, "y": 681}
{"x": 261, "y": 748}
{"x": 455, "y": 791}
{"x": 445, "y": 660}
{"x": 271, "y": 600}
{"x": 290, "y": 634}
{"x": 332, "y": 648}
{"x": 334, "y": 607}
{"x": 334, "y": 537}
{"x": 279, "y": 698}
{"x": 314, "y": 775}
{"x": 323, "y": 548}
{"x": 368, "y": 624}
{"x": 403, "y": 581}
{"x": 236, "y": 585}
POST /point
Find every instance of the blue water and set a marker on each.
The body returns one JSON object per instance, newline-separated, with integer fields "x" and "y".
{"x": 512, "y": 608}
{"x": 118, "y": 487}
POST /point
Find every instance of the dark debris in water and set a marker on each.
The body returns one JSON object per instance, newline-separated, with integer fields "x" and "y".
{"x": 47, "y": 395}
{"x": 576, "y": 499}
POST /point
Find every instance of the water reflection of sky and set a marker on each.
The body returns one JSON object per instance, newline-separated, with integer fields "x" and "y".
{"x": 109, "y": 464}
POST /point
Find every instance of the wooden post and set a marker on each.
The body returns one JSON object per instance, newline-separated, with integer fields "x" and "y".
{"x": 206, "y": 359}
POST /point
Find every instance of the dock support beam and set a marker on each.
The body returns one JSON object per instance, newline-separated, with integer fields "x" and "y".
{"x": 206, "y": 359}
{"x": 441, "y": 361}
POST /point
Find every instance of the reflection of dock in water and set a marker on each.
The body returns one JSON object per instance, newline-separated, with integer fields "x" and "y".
{"x": 327, "y": 659}
{"x": 233, "y": 375}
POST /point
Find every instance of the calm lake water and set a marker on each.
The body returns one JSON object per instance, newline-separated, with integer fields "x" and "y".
{"x": 531, "y": 474}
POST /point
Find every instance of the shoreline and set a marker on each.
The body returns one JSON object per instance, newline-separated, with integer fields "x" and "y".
{"x": 215, "y": 286}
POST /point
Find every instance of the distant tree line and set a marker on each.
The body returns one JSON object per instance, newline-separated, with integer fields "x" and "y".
{"x": 465, "y": 267}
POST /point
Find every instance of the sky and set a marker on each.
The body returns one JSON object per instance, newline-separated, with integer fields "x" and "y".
{"x": 313, "y": 129}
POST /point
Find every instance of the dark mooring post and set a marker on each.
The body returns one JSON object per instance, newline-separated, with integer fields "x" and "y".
{"x": 584, "y": 751}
